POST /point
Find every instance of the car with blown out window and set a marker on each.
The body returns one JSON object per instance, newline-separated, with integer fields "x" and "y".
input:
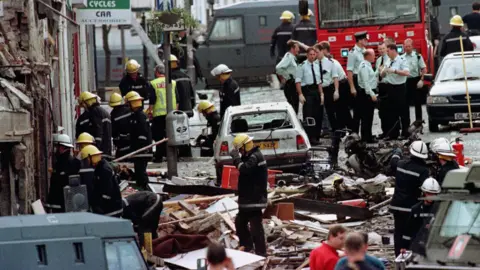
{"x": 275, "y": 129}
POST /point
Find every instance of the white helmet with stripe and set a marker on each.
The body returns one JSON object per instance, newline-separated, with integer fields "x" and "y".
{"x": 419, "y": 149}
{"x": 442, "y": 146}
{"x": 430, "y": 185}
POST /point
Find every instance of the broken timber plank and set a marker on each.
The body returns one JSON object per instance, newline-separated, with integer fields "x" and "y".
{"x": 332, "y": 208}
{"x": 190, "y": 209}
{"x": 197, "y": 190}
{"x": 197, "y": 200}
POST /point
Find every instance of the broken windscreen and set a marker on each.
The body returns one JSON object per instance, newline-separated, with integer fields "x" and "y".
{"x": 258, "y": 121}
{"x": 348, "y": 13}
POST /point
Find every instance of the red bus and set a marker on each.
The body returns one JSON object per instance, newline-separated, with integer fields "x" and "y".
{"x": 337, "y": 22}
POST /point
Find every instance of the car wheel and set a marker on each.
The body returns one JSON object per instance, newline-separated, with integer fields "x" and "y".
{"x": 433, "y": 126}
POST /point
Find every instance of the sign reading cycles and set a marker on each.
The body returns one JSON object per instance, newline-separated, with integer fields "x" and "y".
{"x": 99, "y": 12}
{"x": 108, "y": 4}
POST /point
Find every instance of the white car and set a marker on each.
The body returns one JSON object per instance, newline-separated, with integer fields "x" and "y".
{"x": 274, "y": 128}
{"x": 476, "y": 42}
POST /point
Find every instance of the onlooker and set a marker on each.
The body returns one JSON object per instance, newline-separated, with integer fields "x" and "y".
{"x": 373, "y": 261}
{"x": 355, "y": 251}
{"x": 473, "y": 20}
{"x": 217, "y": 258}
{"x": 326, "y": 257}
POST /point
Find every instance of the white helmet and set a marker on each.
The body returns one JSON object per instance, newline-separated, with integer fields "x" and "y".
{"x": 443, "y": 147}
{"x": 220, "y": 69}
{"x": 62, "y": 139}
{"x": 430, "y": 185}
{"x": 419, "y": 149}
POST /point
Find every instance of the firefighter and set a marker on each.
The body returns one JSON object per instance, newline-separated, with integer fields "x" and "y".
{"x": 252, "y": 193}
{"x": 140, "y": 136}
{"x": 473, "y": 20}
{"x": 451, "y": 41}
{"x": 382, "y": 61}
{"x": 230, "y": 92}
{"x": 417, "y": 68}
{"x": 310, "y": 93}
{"x": 65, "y": 166}
{"x": 158, "y": 108}
{"x": 101, "y": 126}
{"x": 282, "y": 35}
{"x": 286, "y": 69}
{"x": 134, "y": 80}
{"x": 366, "y": 95}
{"x": 421, "y": 214}
{"x": 395, "y": 77}
{"x": 83, "y": 123}
{"x": 329, "y": 78}
{"x": 305, "y": 32}
{"x": 120, "y": 116}
{"x": 106, "y": 198}
{"x": 444, "y": 157}
{"x": 83, "y": 140}
{"x": 86, "y": 171}
{"x": 355, "y": 57}
{"x": 409, "y": 177}
{"x": 213, "y": 120}
{"x": 143, "y": 208}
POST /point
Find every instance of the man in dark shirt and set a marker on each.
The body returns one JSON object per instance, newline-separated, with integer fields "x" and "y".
{"x": 473, "y": 20}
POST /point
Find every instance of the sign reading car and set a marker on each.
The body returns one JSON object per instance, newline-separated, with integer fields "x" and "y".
{"x": 99, "y": 12}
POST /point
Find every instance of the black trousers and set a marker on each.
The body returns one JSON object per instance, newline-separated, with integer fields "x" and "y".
{"x": 149, "y": 223}
{"x": 291, "y": 94}
{"x": 312, "y": 110}
{"x": 415, "y": 96}
{"x": 357, "y": 108}
{"x": 344, "y": 116}
{"x": 398, "y": 111}
{"x": 383, "y": 107}
{"x": 140, "y": 171}
{"x": 159, "y": 132}
{"x": 253, "y": 238}
{"x": 122, "y": 148}
{"x": 365, "y": 114}
{"x": 330, "y": 106}
{"x": 400, "y": 220}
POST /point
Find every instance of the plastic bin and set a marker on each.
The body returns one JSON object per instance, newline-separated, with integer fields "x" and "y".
{"x": 230, "y": 177}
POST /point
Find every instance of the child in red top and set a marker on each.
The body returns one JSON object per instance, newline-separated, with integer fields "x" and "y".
{"x": 326, "y": 257}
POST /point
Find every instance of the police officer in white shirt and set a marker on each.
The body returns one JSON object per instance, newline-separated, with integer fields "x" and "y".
{"x": 287, "y": 69}
{"x": 417, "y": 69}
{"x": 395, "y": 76}
{"x": 366, "y": 96}
{"x": 382, "y": 61}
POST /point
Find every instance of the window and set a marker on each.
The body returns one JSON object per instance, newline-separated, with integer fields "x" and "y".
{"x": 452, "y": 69}
{"x": 462, "y": 218}
{"x": 227, "y": 29}
{"x": 79, "y": 257}
{"x": 42, "y": 255}
{"x": 262, "y": 20}
{"x": 259, "y": 121}
{"x": 123, "y": 255}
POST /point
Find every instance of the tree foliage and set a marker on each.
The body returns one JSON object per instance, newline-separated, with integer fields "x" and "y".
{"x": 155, "y": 28}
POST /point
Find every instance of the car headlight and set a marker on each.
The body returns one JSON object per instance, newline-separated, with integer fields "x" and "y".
{"x": 436, "y": 100}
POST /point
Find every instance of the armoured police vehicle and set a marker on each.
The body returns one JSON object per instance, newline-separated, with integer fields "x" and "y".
{"x": 68, "y": 241}
{"x": 453, "y": 240}
{"x": 240, "y": 38}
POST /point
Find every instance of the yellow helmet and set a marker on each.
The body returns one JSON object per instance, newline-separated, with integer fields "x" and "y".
{"x": 240, "y": 140}
{"x": 173, "y": 58}
{"x": 89, "y": 151}
{"x": 456, "y": 21}
{"x": 132, "y": 66}
{"x": 287, "y": 15}
{"x": 115, "y": 100}
{"x": 85, "y": 138}
{"x": 84, "y": 96}
{"x": 204, "y": 105}
{"x": 132, "y": 96}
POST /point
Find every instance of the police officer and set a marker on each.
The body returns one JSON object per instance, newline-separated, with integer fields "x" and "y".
{"x": 158, "y": 108}
{"x": 417, "y": 69}
{"x": 286, "y": 69}
{"x": 366, "y": 96}
{"x": 133, "y": 80}
{"x": 230, "y": 92}
{"x": 65, "y": 166}
{"x": 395, "y": 77}
{"x": 444, "y": 157}
{"x": 355, "y": 57}
{"x": 473, "y": 20}
{"x": 86, "y": 171}
{"x": 143, "y": 208}
{"x": 451, "y": 41}
{"x": 282, "y": 35}
{"x": 382, "y": 61}
{"x": 140, "y": 136}
{"x": 120, "y": 116}
{"x": 421, "y": 214}
{"x": 310, "y": 94}
{"x": 213, "y": 120}
{"x": 186, "y": 95}
{"x": 252, "y": 193}
{"x": 305, "y": 32}
{"x": 409, "y": 177}
{"x": 106, "y": 198}
{"x": 329, "y": 78}
{"x": 100, "y": 124}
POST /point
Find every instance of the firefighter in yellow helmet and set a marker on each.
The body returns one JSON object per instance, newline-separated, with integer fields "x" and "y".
{"x": 83, "y": 123}
{"x": 120, "y": 116}
{"x": 252, "y": 193}
{"x": 230, "y": 91}
{"x": 106, "y": 197}
{"x": 306, "y": 32}
{"x": 208, "y": 110}
{"x": 451, "y": 41}
{"x": 282, "y": 35}
{"x": 140, "y": 136}
{"x": 133, "y": 80}
{"x": 86, "y": 171}
{"x": 83, "y": 140}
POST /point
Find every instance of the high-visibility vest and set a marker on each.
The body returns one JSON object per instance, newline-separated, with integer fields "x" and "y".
{"x": 160, "y": 107}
